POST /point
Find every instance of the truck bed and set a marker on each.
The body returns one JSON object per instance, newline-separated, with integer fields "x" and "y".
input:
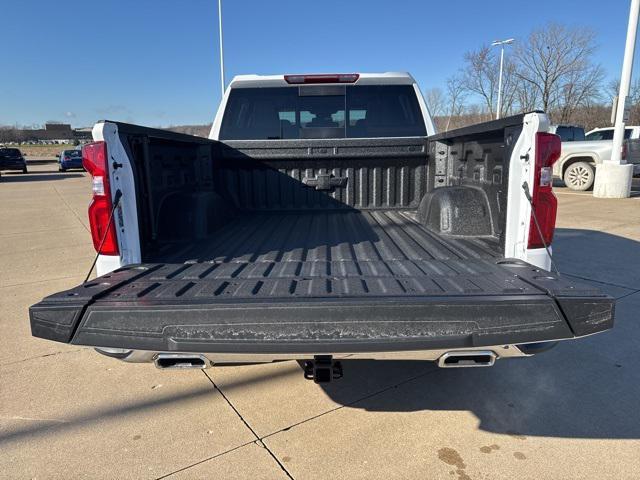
{"x": 321, "y": 246}
{"x": 332, "y": 253}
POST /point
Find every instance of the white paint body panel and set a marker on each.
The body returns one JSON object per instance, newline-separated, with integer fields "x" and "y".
{"x": 126, "y": 215}
{"x": 521, "y": 169}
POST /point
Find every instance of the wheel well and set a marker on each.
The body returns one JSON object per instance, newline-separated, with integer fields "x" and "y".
{"x": 573, "y": 160}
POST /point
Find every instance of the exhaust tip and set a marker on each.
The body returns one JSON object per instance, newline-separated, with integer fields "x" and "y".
{"x": 472, "y": 358}
{"x": 165, "y": 361}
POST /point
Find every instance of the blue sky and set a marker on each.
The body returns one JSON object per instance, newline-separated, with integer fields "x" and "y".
{"x": 155, "y": 62}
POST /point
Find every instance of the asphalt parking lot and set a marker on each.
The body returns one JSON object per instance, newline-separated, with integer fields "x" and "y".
{"x": 68, "y": 412}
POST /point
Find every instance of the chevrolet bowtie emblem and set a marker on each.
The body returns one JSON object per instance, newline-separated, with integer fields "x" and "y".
{"x": 325, "y": 181}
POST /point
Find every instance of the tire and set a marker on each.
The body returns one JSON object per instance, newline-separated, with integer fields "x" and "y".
{"x": 579, "y": 176}
{"x": 60, "y": 169}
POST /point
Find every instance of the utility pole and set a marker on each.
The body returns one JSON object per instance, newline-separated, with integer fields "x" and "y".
{"x": 614, "y": 176}
{"x": 502, "y": 43}
{"x": 222, "y": 83}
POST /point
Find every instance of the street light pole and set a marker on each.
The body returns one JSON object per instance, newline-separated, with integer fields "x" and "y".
{"x": 502, "y": 43}
{"x": 614, "y": 176}
{"x": 625, "y": 82}
{"x": 500, "y": 83}
{"x": 222, "y": 84}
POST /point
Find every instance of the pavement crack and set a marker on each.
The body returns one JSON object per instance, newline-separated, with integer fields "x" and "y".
{"x": 349, "y": 404}
{"x": 204, "y": 460}
{"x": 32, "y": 419}
{"x": 627, "y": 295}
{"x": 258, "y": 439}
{"x": 39, "y": 281}
{"x": 31, "y": 232}
{"x": 598, "y": 281}
{"x": 69, "y": 207}
{"x": 39, "y": 356}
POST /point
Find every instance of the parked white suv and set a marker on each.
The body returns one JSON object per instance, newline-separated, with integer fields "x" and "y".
{"x": 606, "y": 133}
{"x": 579, "y": 159}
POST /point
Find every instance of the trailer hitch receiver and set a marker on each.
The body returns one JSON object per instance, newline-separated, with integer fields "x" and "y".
{"x": 322, "y": 369}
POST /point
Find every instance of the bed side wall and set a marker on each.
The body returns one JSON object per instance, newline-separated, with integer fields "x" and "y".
{"x": 468, "y": 176}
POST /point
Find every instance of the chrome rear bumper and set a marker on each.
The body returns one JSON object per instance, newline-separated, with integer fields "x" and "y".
{"x": 144, "y": 356}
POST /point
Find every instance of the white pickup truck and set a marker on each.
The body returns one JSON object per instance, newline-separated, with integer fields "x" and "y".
{"x": 579, "y": 159}
{"x": 324, "y": 218}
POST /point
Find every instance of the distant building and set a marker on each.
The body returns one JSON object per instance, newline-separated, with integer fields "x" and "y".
{"x": 83, "y": 133}
{"x": 52, "y": 133}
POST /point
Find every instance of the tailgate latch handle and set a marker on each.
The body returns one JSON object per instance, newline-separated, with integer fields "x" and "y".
{"x": 325, "y": 181}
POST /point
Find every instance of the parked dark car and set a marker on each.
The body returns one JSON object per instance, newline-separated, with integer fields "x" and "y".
{"x": 568, "y": 133}
{"x": 12, "y": 159}
{"x": 69, "y": 159}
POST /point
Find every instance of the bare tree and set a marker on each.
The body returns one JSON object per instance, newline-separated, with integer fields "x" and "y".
{"x": 456, "y": 95}
{"x": 508, "y": 103}
{"x": 527, "y": 96}
{"x": 591, "y": 116}
{"x": 580, "y": 89}
{"x": 552, "y": 69}
{"x": 436, "y": 101}
{"x": 555, "y": 65}
{"x": 480, "y": 76}
{"x": 613, "y": 88}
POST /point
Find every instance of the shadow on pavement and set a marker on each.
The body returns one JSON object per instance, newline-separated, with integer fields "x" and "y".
{"x": 588, "y": 388}
{"x": 96, "y": 417}
{"x": 598, "y": 256}
{"x": 551, "y": 395}
{"x": 37, "y": 177}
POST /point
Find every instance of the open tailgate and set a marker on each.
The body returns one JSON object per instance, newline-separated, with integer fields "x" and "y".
{"x": 205, "y": 307}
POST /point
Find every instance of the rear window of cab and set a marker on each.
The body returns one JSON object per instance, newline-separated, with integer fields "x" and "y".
{"x": 322, "y": 111}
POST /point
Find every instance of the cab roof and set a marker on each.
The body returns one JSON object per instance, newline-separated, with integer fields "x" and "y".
{"x": 386, "y": 78}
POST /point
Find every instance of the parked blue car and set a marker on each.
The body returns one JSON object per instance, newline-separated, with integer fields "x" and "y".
{"x": 69, "y": 159}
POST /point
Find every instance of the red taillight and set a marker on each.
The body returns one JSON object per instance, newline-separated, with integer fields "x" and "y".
{"x": 94, "y": 160}
{"x": 545, "y": 204}
{"x": 323, "y": 78}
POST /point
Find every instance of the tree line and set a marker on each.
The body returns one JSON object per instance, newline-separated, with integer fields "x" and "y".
{"x": 552, "y": 69}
